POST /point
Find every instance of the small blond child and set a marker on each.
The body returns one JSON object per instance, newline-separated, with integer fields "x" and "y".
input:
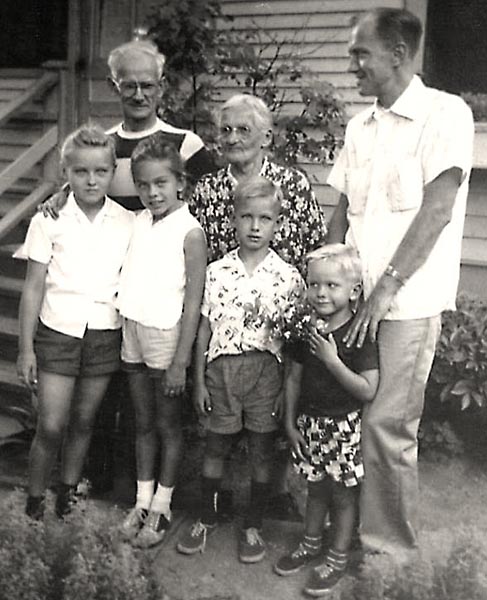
{"x": 238, "y": 377}
{"x": 326, "y": 387}
{"x": 70, "y": 330}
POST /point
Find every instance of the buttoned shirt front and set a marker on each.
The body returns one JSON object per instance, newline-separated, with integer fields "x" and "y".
{"x": 388, "y": 158}
{"x": 154, "y": 275}
{"x": 84, "y": 261}
{"x": 301, "y": 227}
{"x": 242, "y": 308}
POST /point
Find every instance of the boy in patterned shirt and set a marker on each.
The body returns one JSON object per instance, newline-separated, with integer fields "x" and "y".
{"x": 238, "y": 375}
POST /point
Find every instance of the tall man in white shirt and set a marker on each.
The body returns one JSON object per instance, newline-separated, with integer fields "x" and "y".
{"x": 403, "y": 176}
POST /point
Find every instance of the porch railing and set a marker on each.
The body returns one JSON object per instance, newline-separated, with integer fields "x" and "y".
{"x": 35, "y": 153}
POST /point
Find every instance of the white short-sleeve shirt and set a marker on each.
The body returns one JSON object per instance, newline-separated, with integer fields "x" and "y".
{"x": 388, "y": 158}
{"x": 84, "y": 261}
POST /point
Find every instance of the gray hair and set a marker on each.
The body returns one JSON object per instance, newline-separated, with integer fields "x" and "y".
{"x": 261, "y": 113}
{"x": 134, "y": 48}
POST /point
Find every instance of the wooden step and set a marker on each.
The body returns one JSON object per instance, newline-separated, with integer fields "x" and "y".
{"x": 9, "y": 326}
{"x": 9, "y": 266}
{"x": 8, "y": 376}
{"x": 9, "y": 338}
{"x": 11, "y": 199}
{"x": 10, "y": 286}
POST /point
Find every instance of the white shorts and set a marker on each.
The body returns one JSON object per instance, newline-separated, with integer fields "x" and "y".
{"x": 148, "y": 346}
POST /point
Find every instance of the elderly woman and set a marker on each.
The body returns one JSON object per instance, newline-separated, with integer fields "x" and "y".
{"x": 245, "y": 125}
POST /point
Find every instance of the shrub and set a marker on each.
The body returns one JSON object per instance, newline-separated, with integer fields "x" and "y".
{"x": 478, "y": 104}
{"x": 272, "y": 68}
{"x": 186, "y": 33}
{"x": 460, "y": 577}
{"x": 200, "y": 55}
{"x": 80, "y": 558}
{"x": 438, "y": 440}
{"x": 460, "y": 365}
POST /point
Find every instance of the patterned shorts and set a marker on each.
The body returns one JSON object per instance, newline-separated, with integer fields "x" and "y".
{"x": 334, "y": 448}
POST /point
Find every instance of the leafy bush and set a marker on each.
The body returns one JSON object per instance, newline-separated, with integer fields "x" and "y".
{"x": 438, "y": 440}
{"x": 200, "y": 55}
{"x": 460, "y": 577}
{"x": 186, "y": 32}
{"x": 478, "y": 104}
{"x": 81, "y": 558}
{"x": 271, "y": 67}
{"x": 460, "y": 365}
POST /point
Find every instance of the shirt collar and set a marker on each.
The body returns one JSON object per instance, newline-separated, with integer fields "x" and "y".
{"x": 137, "y": 135}
{"x": 174, "y": 216}
{"x": 410, "y": 104}
{"x": 72, "y": 208}
{"x": 267, "y": 264}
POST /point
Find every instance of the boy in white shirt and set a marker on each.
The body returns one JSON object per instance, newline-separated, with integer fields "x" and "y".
{"x": 238, "y": 374}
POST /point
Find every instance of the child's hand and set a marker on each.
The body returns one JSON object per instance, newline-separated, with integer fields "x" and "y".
{"x": 278, "y": 408}
{"x": 27, "y": 369}
{"x": 298, "y": 443}
{"x": 201, "y": 399}
{"x": 175, "y": 380}
{"x": 323, "y": 348}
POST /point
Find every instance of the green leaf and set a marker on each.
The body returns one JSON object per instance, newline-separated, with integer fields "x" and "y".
{"x": 466, "y": 401}
{"x": 479, "y": 399}
{"x": 463, "y": 386}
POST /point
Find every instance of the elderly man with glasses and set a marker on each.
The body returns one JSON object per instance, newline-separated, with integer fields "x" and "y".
{"x": 136, "y": 70}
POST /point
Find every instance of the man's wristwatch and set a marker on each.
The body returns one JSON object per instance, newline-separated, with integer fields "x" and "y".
{"x": 391, "y": 271}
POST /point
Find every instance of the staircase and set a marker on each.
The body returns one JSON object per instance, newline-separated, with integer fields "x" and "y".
{"x": 28, "y": 136}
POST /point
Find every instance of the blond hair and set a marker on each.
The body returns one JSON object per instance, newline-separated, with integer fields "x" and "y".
{"x": 88, "y": 135}
{"x": 341, "y": 254}
{"x": 258, "y": 187}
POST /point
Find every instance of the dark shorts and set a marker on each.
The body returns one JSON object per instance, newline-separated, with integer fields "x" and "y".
{"x": 96, "y": 353}
{"x": 244, "y": 389}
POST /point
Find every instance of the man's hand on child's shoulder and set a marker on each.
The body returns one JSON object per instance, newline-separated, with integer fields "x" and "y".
{"x": 52, "y": 206}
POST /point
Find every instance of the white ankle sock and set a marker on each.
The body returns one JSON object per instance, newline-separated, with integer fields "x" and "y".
{"x": 145, "y": 493}
{"x": 161, "y": 502}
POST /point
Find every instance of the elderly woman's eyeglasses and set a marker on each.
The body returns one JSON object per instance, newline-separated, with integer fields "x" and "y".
{"x": 243, "y": 132}
{"x": 127, "y": 89}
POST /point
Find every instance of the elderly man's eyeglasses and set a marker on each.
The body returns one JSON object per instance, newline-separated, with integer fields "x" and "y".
{"x": 243, "y": 132}
{"x": 127, "y": 89}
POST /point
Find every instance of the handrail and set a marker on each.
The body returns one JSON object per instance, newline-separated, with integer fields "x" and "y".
{"x": 28, "y": 159}
{"x": 24, "y": 208}
{"x": 38, "y": 87}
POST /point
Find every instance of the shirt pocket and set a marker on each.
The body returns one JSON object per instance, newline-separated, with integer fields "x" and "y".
{"x": 358, "y": 183}
{"x": 405, "y": 185}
